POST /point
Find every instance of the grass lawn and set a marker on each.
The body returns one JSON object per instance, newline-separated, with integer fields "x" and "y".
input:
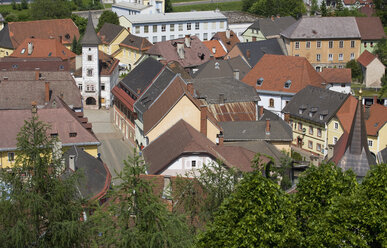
{"x": 210, "y": 6}
{"x": 8, "y": 9}
{"x": 179, "y": 1}
{"x": 366, "y": 91}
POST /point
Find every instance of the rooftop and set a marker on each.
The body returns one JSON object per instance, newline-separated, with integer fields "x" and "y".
{"x": 127, "y": 5}
{"x": 336, "y": 75}
{"x": 228, "y": 39}
{"x": 371, "y": 28}
{"x": 176, "y": 17}
{"x": 366, "y": 58}
{"x": 272, "y": 26}
{"x": 109, "y": 32}
{"x": 223, "y": 68}
{"x": 376, "y": 118}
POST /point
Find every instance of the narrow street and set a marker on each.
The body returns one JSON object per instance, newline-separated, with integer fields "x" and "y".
{"x": 113, "y": 149}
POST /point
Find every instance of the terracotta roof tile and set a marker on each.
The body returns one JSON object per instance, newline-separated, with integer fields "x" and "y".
{"x": 136, "y": 42}
{"x": 277, "y": 69}
{"x": 215, "y": 48}
{"x": 366, "y": 58}
{"x": 377, "y": 119}
{"x": 337, "y": 75}
{"x": 346, "y": 113}
{"x": 371, "y": 28}
{"x": 30, "y": 64}
{"x": 227, "y": 42}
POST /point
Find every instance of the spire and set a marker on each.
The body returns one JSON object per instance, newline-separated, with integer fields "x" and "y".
{"x": 90, "y": 37}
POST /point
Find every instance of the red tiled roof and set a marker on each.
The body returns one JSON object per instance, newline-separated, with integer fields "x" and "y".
{"x": 43, "y": 48}
{"x": 123, "y": 97}
{"x": 337, "y": 75}
{"x": 370, "y": 28}
{"x": 228, "y": 43}
{"x": 376, "y": 120}
{"x": 43, "y": 29}
{"x": 347, "y": 112}
{"x": 277, "y": 69}
{"x": 366, "y": 58}
{"x": 215, "y": 46}
{"x": 367, "y": 10}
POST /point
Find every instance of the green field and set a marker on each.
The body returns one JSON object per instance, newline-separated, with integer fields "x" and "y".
{"x": 210, "y": 6}
{"x": 180, "y": 1}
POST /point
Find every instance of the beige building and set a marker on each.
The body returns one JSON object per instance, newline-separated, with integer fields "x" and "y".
{"x": 373, "y": 70}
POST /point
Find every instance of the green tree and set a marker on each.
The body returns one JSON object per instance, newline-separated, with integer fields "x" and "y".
{"x": 74, "y": 45}
{"x": 168, "y": 6}
{"x": 39, "y": 207}
{"x": 24, "y": 4}
{"x": 355, "y": 69}
{"x": 80, "y": 22}
{"x": 14, "y": 6}
{"x": 339, "y": 5}
{"x": 323, "y": 9}
{"x": 273, "y": 7}
{"x": 50, "y": 9}
{"x": 136, "y": 216}
{"x": 381, "y": 10}
{"x": 381, "y": 51}
{"x": 314, "y": 8}
{"x": 257, "y": 214}
{"x": 109, "y": 17}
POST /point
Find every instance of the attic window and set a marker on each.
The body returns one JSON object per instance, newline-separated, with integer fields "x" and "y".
{"x": 301, "y": 109}
{"x": 287, "y": 84}
{"x": 54, "y": 135}
{"x": 14, "y": 66}
{"x": 73, "y": 134}
{"x": 49, "y": 55}
{"x": 64, "y": 53}
{"x": 259, "y": 81}
{"x": 23, "y": 51}
{"x": 321, "y": 117}
{"x": 67, "y": 36}
{"x": 216, "y": 65}
{"x": 312, "y": 111}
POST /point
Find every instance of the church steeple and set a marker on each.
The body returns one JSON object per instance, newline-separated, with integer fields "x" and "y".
{"x": 90, "y": 37}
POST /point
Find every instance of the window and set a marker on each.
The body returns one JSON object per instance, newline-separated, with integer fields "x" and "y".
{"x": 163, "y": 38}
{"x": 335, "y": 140}
{"x": 336, "y": 125}
{"x": 318, "y": 68}
{"x": 341, "y": 57}
{"x": 318, "y": 57}
{"x": 213, "y": 25}
{"x": 352, "y": 43}
{"x": 163, "y": 28}
{"x": 89, "y": 72}
{"x": 102, "y": 86}
{"x": 318, "y": 147}
{"x": 287, "y": 84}
{"x": 321, "y": 117}
{"x": 307, "y": 45}
{"x": 370, "y": 142}
{"x": 318, "y": 44}
{"x": 330, "y": 44}
{"x": 297, "y": 55}
{"x": 80, "y": 87}
{"x": 259, "y": 81}
{"x": 311, "y": 130}
{"x": 171, "y": 37}
{"x": 193, "y": 163}
{"x": 297, "y": 45}
{"x": 319, "y": 132}
{"x": 137, "y": 28}
{"x": 146, "y": 29}
{"x": 61, "y": 67}
{"x": 340, "y": 67}
{"x": 371, "y": 44}
{"x": 23, "y": 51}
{"x": 73, "y": 135}
{"x": 172, "y": 27}
{"x": 154, "y": 40}
{"x": 89, "y": 57}
{"x": 330, "y": 57}
{"x": 221, "y": 25}
{"x": 180, "y": 27}
{"x": 310, "y": 144}
{"x": 189, "y": 26}
{"x": 11, "y": 156}
{"x": 197, "y": 25}
{"x": 365, "y": 44}
{"x": 154, "y": 28}
{"x": 341, "y": 44}
{"x": 299, "y": 126}
{"x": 352, "y": 56}
{"x": 271, "y": 103}
{"x": 205, "y": 36}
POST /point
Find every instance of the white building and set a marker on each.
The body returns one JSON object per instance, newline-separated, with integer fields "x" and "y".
{"x": 125, "y": 8}
{"x": 169, "y": 26}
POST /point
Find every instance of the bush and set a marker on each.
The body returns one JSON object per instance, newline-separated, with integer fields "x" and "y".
{"x": 12, "y": 18}
{"x": 355, "y": 70}
{"x": 24, "y": 4}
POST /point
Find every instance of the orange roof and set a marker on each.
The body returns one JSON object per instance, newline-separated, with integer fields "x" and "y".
{"x": 347, "y": 112}
{"x": 43, "y": 29}
{"x": 215, "y": 48}
{"x": 376, "y": 120}
{"x": 227, "y": 42}
{"x": 366, "y": 58}
{"x": 277, "y": 69}
{"x": 43, "y": 48}
{"x": 337, "y": 75}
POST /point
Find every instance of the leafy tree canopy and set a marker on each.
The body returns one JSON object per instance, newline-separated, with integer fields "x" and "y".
{"x": 50, "y": 9}
{"x": 109, "y": 17}
{"x": 268, "y": 8}
{"x": 355, "y": 69}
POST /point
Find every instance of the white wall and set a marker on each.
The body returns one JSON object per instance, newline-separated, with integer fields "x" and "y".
{"x": 279, "y": 102}
{"x": 183, "y": 164}
{"x": 338, "y": 88}
{"x": 239, "y": 28}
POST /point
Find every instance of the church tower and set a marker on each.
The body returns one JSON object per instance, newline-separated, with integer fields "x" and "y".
{"x": 90, "y": 67}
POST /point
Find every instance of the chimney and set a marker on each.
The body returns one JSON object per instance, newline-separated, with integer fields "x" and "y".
{"x": 228, "y": 34}
{"x": 30, "y": 48}
{"x": 60, "y": 39}
{"x": 187, "y": 40}
{"x": 47, "y": 92}
{"x": 221, "y": 99}
{"x": 220, "y": 139}
{"x": 236, "y": 74}
{"x": 248, "y": 53}
{"x": 138, "y": 91}
{"x": 203, "y": 120}
{"x": 72, "y": 162}
{"x": 190, "y": 88}
{"x": 37, "y": 75}
{"x": 267, "y": 126}
{"x": 34, "y": 108}
{"x": 287, "y": 117}
{"x": 375, "y": 100}
{"x": 180, "y": 50}
{"x": 260, "y": 111}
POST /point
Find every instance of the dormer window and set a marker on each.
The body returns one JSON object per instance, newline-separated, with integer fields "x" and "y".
{"x": 259, "y": 81}
{"x": 287, "y": 84}
{"x": 73, "y": 134}
{"x": 301, "y": 109}
{"x": 23, "y": 51}
{"x": 321, "y": 117}
{"x": 312, "y": 112}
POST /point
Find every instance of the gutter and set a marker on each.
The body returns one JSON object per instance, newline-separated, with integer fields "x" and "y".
{"x": 67, "y": 144}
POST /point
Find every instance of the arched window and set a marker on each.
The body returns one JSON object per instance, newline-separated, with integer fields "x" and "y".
{"x": 271, "y": 103}
{"x": 91, "y": 101}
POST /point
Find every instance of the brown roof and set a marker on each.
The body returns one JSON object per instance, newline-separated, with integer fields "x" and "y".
{"x": 43, "y": 48}
{"x": 377, "y": 119}
{"x": 215, "y": 48}
{"x": 194, "y": 55}
{"x": 228, "y": 43}
{"x": 107, "y": 64}
{"x": 277, "y": 69}
{"x": 181, "y": 139}
{"x": 43, "y": 29}
{"x": 366, "y": 58}
{"x": 234, "y": 111}
{"x": 31, "y": 64}
{"x": 336, "y": 75}
{"x": 370, "y": 28}
{"x": 61, "y": 120}
{"x": 22, "y": 87}
{"x": 136, "y": 42}
{"x": 346, "y": 112}
{"x": 367, "y": 10}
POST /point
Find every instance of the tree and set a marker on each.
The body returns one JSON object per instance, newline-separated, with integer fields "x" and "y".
{"x": 109, "y": 17}
{"x": 339, "y": 5}
{"x": 24, "y": 4}
{"x": 50, "y": 9}
{"x": 257, "y": 214}
{"x": 39, "y": 207}
{"x": 136, "y": 217}
{"x": 273, "y": 7}
{"x": 314, "y": 8}
{"x": 381, "y": 10}
{"x": 355, "y": 69}
{"x": 168, "y": 6}
{"x": 74, "y": 45}
{"x": 80, "y": 22}
{"x": 323, "y": 9}
{"x": 14, "y": 6}
{"x": 381, "y": 51}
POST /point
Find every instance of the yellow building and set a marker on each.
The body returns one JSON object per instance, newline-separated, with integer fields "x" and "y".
{"x": 64, "y": 124}
{"x": 376, "y": 125}
{"x": 324, "y": 41}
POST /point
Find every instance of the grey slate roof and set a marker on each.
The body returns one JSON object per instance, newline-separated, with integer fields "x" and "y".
{"x": 5, "y": 40}
{"x": 142, "y": 75}
{"x": 259, "y": 48}
{"x": 234, "y": 17}
{"x": 94, "y": 172}
{"x": 323, "y": 28}
{"x": 256, "y": 130}
{"x": 317, "y": 101}
{"x": 233, "y": 90}
{"x": 176, "y": 17}
{"x": 268, "y": 27}
{"x": 90, "y": 37}
{"x": 109, "y": 31}
{"x": 222, "y": 68}
{"x": 154, "y": 90}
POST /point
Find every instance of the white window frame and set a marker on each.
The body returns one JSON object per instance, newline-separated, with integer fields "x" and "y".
{"x": 370, "y": 143}
{"x": 330, "y": 57}
{"x": 318, "y": 44}
{"x": 341, "y": 56}
{"x": 318, "y": 57}
{"x": 336, "y": 125}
